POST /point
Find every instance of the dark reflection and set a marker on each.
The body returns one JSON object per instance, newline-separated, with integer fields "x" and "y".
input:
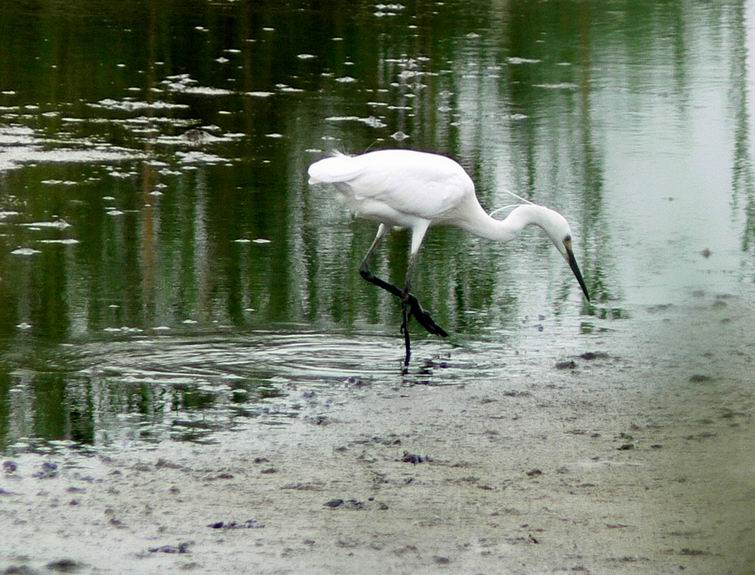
{"x": 743, "y": 183}
{"x": 161, "y": 150}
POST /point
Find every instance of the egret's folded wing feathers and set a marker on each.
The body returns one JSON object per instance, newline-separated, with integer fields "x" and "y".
{"x": 335, "y": 169}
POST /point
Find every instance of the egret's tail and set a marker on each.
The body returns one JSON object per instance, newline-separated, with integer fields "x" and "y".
{"x": 338, "y": 168}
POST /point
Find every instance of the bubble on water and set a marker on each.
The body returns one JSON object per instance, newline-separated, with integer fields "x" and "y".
{"x": 306, "y": 56}
{"x": 346, "y": 80}
{"x": 399, "y": 136}
{"x": 259, "y": 94}
{"x": 261, "y": 241}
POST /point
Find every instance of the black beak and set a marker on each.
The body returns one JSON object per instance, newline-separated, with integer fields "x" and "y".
{"x": 575, "y": 268}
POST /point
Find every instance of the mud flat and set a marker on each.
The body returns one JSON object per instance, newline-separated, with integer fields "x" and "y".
{"x": 630, "y": 455}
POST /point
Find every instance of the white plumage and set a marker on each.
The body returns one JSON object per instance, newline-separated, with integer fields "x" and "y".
{"x": 396, "y": 187}
{"x": 416, "y": 190}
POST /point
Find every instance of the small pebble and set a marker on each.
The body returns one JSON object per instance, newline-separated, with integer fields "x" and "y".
{"x": 181, "y": 548}
{"x": 566, "y": 365}
{"x": 414, "y": 459}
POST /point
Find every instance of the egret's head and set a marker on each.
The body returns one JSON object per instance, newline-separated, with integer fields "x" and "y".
{"x": 558, "y": 230}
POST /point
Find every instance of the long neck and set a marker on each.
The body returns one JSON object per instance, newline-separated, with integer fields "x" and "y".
{"x": 481, "y": 224}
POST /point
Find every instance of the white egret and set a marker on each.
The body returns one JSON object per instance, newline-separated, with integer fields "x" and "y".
{"x": 416, "y": 190}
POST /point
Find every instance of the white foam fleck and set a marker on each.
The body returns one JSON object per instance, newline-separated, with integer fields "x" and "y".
{"x": 58, "y": 183}
{"x": 558, "y": 86}
{"x": 287, "y": 88}
{"x": 25, "y": 252}
{"x": 515, "y": 60}
{"x": 64, "y": 242}
{"x": 371, "y": 121}
{"x": 130, "y": 106}
{"x": 57, "y": 224}
{"x": 196, "y": 157}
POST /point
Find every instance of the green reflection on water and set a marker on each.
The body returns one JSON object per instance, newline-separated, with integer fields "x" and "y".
{"x": 601, "y": 110}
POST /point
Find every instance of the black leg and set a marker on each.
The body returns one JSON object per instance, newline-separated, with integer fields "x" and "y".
{"x": 406, "y": 315}
{"x": 422, "y": 317}
{"x": 409, "y": 303}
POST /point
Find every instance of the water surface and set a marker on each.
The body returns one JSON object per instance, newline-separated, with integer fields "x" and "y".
{"x": 165, "y": 270}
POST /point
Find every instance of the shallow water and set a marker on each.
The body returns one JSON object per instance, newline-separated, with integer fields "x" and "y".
{"x": 166, "y": 271}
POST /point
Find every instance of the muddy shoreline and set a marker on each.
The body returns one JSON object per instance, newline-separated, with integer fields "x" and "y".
{"x": 630, "y": 455}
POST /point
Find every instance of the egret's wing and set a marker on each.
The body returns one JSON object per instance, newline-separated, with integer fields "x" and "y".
{"x": 336, "y": 169}
{"x": 413, "y": 183}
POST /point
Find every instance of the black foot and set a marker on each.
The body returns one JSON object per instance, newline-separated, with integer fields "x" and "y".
{"x": 423, "y": 318}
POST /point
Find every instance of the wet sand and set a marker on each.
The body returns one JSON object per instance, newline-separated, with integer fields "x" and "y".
{"x": 635, "y": 458}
